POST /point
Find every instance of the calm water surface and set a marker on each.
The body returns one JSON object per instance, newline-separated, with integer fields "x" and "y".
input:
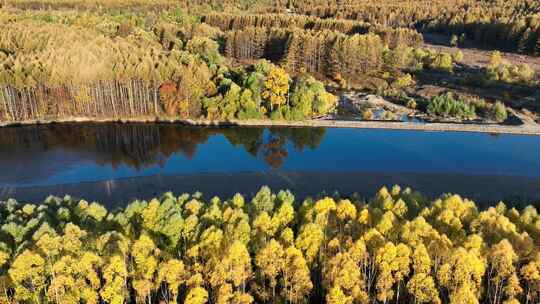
{"x": 114, "y": 162}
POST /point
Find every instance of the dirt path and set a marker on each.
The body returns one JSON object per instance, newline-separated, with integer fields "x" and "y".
{"x": 477, "y": 57}
{"x": 526, "y": 129}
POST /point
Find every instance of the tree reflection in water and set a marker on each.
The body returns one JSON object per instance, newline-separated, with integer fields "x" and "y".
{"x": 143, "y": 145}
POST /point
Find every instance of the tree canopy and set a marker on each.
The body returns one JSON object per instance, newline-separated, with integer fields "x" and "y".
{"x": 396, "y": 247}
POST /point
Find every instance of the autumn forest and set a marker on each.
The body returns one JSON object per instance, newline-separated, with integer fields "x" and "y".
{"x": 397, "y": 247}
{"x": 257, "y": 59}
{"x": 296, "y": 67}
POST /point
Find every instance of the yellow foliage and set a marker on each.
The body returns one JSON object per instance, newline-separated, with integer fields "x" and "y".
{"x": 462, "y": 276}
{"x": 239, "y": 263}
{"x": 364, "y": 217}
{"x": 270, "y": 261}
{"x": 193, "y": 206}
{"x": 115, "y": 275}
{"x": 197, "y": 295}
{"x": 287, "y": 237}
{"x": 393, "y": 262}
{"x": 296, "y": 278}
{"x": 310, "y": 240}
{"x": 531, "y": 273}
{"x": 145, "y": 256}
{"x": 346, "y": 210}
{"x": 150, "y": 215}
{"x": 4, "y": 258}
{"x": 422, "y": 285}
{"x": 75, "y": 280}
{"x": 28, "y": 275}
{"x": 50, "y": 245}
{"x": 173, "y": 273}
{"x": 325, "y": 205}
{"x": 396, "y": 247}
{"x": 72, "y": 239}
{"x": 276, "y": 87}
{"x": 336, "y": 296}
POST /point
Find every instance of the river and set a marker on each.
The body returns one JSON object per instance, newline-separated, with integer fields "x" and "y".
{"x": 115, "y": 163}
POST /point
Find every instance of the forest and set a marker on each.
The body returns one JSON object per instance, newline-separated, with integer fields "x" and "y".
{"x": 507, "y": 25}
{"x": 396, "y": 247}
{"x": 239, "y": 59}
{"x": 225, "y": 61}
{"x": 127, "y": 66}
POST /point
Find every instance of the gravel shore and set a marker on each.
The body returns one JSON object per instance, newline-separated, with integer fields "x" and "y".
{"x": 526, "y": 129}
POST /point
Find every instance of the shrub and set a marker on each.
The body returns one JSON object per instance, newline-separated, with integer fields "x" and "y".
{"x": 434, "y": 60}
{"x": 498, "y": 111}
{"x": 454, "y": 41}
{"x": 207, "y": 48}
{"x": 403, "y": 81}
{"x": 462, "y": 38}
{"x": 446, "y": 106}
{"x": 389, "y": 115}
{"x": 524, "y": 72}
{"x": 419, "y": 58}
{"x": 411, "y": 104}
{"x": 367, "y": 114}
{"x": 495, "y": 59}
{"x": 443, "y": 62}
{"x": 499, "y": 71}
{"x": 458, "y": 56}
{"x": 248, "y": 107}
{"x": 309, "y": 97}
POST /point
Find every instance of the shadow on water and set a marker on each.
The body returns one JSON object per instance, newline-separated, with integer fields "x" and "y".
{"x": 114, "y": 163}
{"x": 139, "y": 146}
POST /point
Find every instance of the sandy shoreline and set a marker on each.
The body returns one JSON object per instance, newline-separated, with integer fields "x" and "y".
{"x": 526, "y": 129}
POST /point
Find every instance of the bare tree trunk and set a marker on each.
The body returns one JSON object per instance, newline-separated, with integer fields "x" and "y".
{"x": 130, "y": 98}
{"x": 155, "y": 100}
{"x": 4, "y": 103}
{"x": 111, "y": 97}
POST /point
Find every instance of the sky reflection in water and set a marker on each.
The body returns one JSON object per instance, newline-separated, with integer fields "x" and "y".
{"x": 58, "y": 154}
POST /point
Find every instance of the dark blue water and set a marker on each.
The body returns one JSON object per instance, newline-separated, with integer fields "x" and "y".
{"x": 52, "y": 156}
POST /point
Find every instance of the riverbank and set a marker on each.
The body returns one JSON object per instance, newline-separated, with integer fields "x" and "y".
{"x": 525, "y": 129}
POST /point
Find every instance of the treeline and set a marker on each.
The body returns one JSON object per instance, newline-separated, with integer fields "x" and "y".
{"x": 505, "y": 25}
{"x": 330, "y": 49}
{"x": 514, "y": 27}
{"x": 53, "y": 70}
{"x": 227, "y": 22}
{"x": 324, "y": 53}
{"x": 335, "y": 54}
{"x": 169, "y": 67}
{"x": 332, "y": 54}
{"x": 131, "y": 5}
{"x": 195, "y": 6}
{"x": 235, "y": 22}
{"x": 397, "y": 247}
{"x": 389, "y": 13}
